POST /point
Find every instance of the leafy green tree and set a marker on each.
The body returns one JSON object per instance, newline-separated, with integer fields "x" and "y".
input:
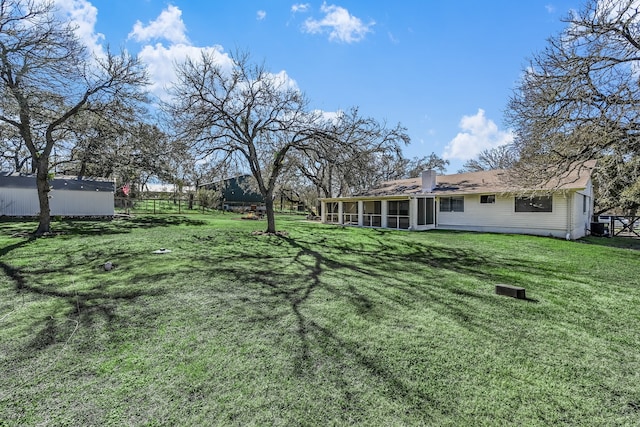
{"x": 128, "y": 152}
{"x": 617, "y": 184}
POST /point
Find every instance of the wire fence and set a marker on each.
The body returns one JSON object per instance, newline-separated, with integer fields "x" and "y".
{"x": 157, "y": 206}
{"x": 185, "y": 205}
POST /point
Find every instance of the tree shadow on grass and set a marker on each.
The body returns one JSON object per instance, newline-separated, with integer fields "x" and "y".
{"x": 287, "y": 294}
{"x": 286, "y": 279}
{"x": 87, "y": 227}
{"x": 12, "y": 272}
{"x": 375, "y": 280}
{"x": 85, "y": 305}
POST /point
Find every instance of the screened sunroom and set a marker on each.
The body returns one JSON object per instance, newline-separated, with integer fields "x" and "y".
{"x": 474, "y": 201}
{"x": 401, "y": 213}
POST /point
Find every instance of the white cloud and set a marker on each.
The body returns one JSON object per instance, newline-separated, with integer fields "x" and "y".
{"x": 618, "y": 10}
{"x": 339, "y": 23}
{"x": 330, "y": 116}
{"x": 260, "y": 15}
{"x": 173, "y": 47}
{"x": 478, "y": 133}
{"x": 283, "y": 80}
{"x": 160, "y": 61}
{"x": 160, "y": 58}
{"x": 168, "y": 26}
{"x": 84, "y": 16}
{"x": 300, "y": 7}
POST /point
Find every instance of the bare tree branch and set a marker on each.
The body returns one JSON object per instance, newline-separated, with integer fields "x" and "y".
{"x": 579, "y": 98}
{"x": 47, "y": 78}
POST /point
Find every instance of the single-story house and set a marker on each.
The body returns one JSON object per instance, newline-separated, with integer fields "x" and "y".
{"x": 474, "y": 201}
{"x": 69, "y": 196}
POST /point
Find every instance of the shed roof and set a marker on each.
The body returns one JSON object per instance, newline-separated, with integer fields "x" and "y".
{"x": 66, "y": 182}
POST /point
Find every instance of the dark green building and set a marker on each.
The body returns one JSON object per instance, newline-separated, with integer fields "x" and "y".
{"x": 236, "y": 193}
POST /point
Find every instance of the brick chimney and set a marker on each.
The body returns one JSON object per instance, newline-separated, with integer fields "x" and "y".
{"x": 428, "y": 180}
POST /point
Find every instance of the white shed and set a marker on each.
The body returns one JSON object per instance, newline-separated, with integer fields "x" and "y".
{"x": 69, "y": 196}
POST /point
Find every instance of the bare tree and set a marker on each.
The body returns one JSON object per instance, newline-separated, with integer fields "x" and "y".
{"x": 351, "y": 154}
{"x": 501, "y": 157}
{"x": 578, "y": 99}
{"x": 415, "y": 166}
{"x": 14, "y": 156}
{"x": 48, "y": 78}
{"x": 242, "y": 114}
{"x": 128, "y": 152}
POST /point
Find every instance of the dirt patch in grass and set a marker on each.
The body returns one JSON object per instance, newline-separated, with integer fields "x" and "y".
{"x": 265, "y": 233}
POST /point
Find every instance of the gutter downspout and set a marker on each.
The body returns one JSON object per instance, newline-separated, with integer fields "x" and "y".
{"x": 569, "y": 215}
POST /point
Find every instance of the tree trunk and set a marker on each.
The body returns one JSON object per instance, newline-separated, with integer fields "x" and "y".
{"x": 271, "y": 216}
{"x": 42, "y": 182}
{"x": 83, "y": 169}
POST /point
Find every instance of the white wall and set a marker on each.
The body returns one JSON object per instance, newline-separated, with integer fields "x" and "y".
{"x": 581, "y": 217}
{"x": 501, "y": 217}
{"x": 24, "y": 202}
{"x": 19, "y": 202}
{"x": 567, "y": 216}
{"x": 81, "y": 203}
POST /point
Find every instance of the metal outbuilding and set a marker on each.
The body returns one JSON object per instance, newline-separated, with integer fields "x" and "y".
{"x": 69, "y": 196}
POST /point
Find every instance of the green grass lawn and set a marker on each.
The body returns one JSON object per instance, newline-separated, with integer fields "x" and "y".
{"x": 322, "y": 326}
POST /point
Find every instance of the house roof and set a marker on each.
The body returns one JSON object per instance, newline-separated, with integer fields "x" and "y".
{"x": 21, "y": 180}
{"x": 484, "y": 182}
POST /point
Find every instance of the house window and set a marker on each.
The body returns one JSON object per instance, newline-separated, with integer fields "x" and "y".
{"x": 350, "y": 213}
{"x": 452, "y": 204}
{"x": 534, "y": 204}
{"x": 399, "y": 207}
{"x": 372, "y": 213}
{"x": 332, "y": 212}
{"x": 398, "y": 215}
{"x": 488, "y": 198}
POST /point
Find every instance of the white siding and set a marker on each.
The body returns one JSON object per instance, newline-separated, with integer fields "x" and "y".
{"x": 19, "y": 202}
{"x": 24, "y": 202}
{"x": 81, "y": 203}
{"x": 581, "y": 215}
{"x": 501, "y": 217}
{"x": 570, "y": 216}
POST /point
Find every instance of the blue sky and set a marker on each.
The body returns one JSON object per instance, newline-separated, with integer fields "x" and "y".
{"x": 443, "y": 69}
